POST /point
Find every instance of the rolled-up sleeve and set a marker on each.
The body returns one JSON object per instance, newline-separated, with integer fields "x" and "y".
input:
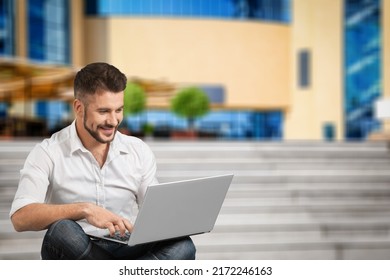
{"x": 34, "y": 179}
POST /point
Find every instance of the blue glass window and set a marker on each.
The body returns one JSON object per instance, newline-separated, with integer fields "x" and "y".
{"x": 3, "y": 110}
{"x": 362, "y": 66}
{"x": 216, "y": 94}
{"x": 48, "y": 29}
{"x": 271, "y": 10}
{"x": 6, "y": 27}
{"x": 54, "y": 112}
{"x": 222, "y": 124}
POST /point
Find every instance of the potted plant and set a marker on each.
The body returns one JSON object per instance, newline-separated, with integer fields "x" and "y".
{"x": 134, "y": 101}
{"x": 190, "y": 103}
{"x": 147, "y": 129}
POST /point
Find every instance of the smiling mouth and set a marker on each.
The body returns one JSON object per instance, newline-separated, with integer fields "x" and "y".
{"x": 107, "y": 130}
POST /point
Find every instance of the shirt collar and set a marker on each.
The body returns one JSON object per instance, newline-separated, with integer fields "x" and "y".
{"x": 75, "y": 142}
{"x": 116, "y": 146}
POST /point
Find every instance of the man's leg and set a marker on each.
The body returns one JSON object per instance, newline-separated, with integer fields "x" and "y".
{"x": 66, "y": 240}
{"x": 177, "y": 249}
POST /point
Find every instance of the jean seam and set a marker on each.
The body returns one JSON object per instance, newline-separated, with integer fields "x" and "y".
{"x": 86, "y": 252}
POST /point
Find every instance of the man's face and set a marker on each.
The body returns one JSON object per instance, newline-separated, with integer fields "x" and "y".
{"x": 103, "y": 112}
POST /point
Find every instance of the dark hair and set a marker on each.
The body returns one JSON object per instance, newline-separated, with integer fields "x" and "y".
{"x": 96, "y": 77}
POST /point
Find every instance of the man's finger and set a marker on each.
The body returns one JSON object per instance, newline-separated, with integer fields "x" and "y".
{"x": 121, "y": 227}
{"x": 111, "y": 229}
{"x": 128, "y": 225}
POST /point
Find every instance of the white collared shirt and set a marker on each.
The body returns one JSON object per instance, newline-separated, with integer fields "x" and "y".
{"x": 61, "y": 170}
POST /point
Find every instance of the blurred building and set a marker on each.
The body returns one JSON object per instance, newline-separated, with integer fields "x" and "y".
{"x": 273, "y": 69}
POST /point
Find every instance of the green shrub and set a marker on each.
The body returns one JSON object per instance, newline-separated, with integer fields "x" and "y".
{"x": 190, "y": 103}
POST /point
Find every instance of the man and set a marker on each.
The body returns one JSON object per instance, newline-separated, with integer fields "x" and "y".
{"x": 90, "y": 175}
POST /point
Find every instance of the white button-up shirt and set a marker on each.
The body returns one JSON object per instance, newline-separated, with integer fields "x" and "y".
{"x": 61, "y": 170}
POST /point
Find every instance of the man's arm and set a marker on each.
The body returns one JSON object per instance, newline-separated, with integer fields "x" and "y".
{"x": 39, "y": 216}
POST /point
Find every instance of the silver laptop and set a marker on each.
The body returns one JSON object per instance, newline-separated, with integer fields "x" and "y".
{"x": 176, "y": 209}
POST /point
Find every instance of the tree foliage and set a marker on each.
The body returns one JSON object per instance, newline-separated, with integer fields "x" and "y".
{"x": 190, "y": 103}
{"x": 134, "y": 100}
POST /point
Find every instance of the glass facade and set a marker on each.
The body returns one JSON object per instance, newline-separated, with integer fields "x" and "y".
{"x": 54, "y": 112}
{"x": 270, "y": 10}
{"x": 219, "y": 124}
{"x": 49, "y": 40}
{"x": 48, "y": 31}
{"x": 362, "y": 66}
{"x": 7, "y": 27}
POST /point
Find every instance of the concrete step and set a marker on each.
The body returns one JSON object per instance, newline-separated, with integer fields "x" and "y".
{"x": 198, "y": 164}
{"x": 228, "y": 164}
{"x": 261, "y": 176}
{"x": 244, "y": 221}
{"x": 328, "y": 207}
{"x": 20, "y": 249}
{"x": 337, "y": 154}
{"x": 314, "y": 190}
{"x": 298, "y": 250}
{"x": 209, "y": 149}
{"x": 285, "y": 176}
{"x": 255, "y": 238}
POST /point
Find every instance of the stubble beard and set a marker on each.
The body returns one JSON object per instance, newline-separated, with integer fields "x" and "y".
{"x": 95, "y": 133}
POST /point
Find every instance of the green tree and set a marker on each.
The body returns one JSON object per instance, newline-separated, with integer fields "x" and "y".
{"x": 190, "y": 103}
{"x": 134, "y": 100}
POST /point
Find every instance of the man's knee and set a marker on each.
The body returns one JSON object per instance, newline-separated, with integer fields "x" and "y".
{"x": 177, "y": 249}
{"x": 64, "y": 239}
{"x": 192, "y": 251}
{"x": 188, "y": 249}
{"x": 66, "y": 231}
{"x": 62, "y": 226}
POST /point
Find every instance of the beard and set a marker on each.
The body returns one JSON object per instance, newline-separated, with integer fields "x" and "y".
{"x": 95, "y": 133}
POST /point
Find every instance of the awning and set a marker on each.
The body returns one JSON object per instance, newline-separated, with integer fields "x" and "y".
{"x": 25, "y": 80}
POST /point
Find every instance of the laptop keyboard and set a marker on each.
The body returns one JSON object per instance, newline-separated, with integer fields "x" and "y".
{"x": 119, "y": 237}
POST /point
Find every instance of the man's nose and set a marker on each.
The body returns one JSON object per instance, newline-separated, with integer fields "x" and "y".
{"x": 112, "y": 119}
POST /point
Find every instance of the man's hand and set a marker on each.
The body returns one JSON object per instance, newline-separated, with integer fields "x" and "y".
{"x": 103, "y": 218}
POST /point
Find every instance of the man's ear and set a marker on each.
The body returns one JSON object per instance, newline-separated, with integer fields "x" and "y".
{"x": 78, "y": 108}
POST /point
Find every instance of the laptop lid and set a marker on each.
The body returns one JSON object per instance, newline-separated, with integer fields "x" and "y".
{"x": 180, "y": 208}
{"x": 176, "y": 209}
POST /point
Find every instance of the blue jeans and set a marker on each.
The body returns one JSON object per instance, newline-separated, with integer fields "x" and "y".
{"x": 66, "y": 240}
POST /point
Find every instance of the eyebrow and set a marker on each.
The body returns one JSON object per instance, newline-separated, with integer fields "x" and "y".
{"x": 109, "y": 109}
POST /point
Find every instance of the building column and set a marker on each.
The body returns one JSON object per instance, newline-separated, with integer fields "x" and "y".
{"x": 21, "y": 28}
{"x": 77, "y": 24}
{"x": 317, "y": 102}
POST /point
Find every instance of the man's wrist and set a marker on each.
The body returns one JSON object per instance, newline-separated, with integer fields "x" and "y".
{"x": 84, "y": 208}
